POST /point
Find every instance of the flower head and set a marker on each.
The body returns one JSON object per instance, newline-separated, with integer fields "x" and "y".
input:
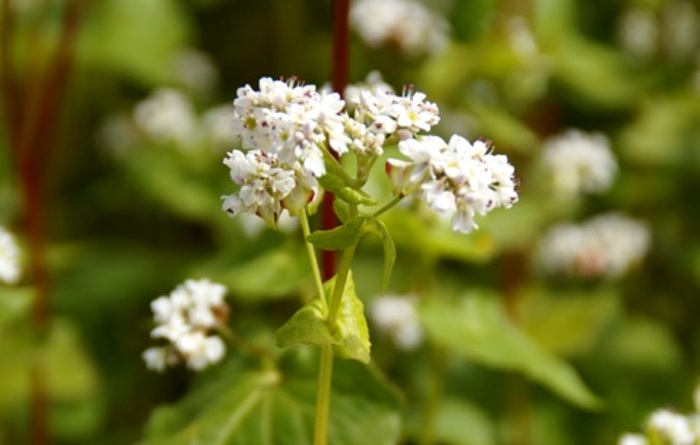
{"x": 396, "y": 315}
{"x": 167, "y": 116}
{"x": 184, "y": 319}
{"x": 457, "y": 179}
{"x": 9, "y": 257}
{"x": 403, "y": 24}
{"x": 605, "y": 246}
{"x": 579, "y": 163}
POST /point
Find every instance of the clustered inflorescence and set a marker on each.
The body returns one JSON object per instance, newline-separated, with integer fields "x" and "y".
{"x": 604, "y": 246}
{"x": 291, "y": 132}
{"x": 185, "y": 319}
{"x": 579, "y": 163}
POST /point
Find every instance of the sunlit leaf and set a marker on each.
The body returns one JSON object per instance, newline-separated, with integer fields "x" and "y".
{"x": 477, "y": 328}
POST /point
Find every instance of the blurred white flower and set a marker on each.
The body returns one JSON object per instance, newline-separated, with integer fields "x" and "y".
{"x": 632, "y": 439}
{"x": 396, "y": 316}
{"x": 167, "y": 115}
{"x": 638, "y": 32}
{"x": 252, "y": 225}
{"x": 406, "y": 25}
{"x": 118, "y": 134}
{"x": 579, "y": 163}
{"x": 604, "y": 246}
{"x": 9, "y": 257}
{"x": 216, "y": 126}
{"x": 456, "y": 179}
{"x": 185, "y": 318}
{"x": 672, "y": 427}
{"x": 195, "y": 70}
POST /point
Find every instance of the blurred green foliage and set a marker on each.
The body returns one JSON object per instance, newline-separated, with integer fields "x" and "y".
{"x": 127, "y": 225}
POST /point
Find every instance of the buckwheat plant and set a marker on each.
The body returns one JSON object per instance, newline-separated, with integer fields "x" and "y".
{"x": 295, "y": 142}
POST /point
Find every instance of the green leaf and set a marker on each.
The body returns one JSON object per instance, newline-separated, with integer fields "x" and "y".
{"x": 376, "y": 226}
{"x": 350, "y": 334}
{"x": 477, "y": 328}
{"x": 276, "y": 407}
{"x": 567, "y": 323}
{"x": 274, "y": 274}
{"x": 307, "y": 326}
{"x": 15, "y": 303}
{"x": 411, "y": 232}
{"x": 351, "y": 325}
{"x": 340, "y": 237}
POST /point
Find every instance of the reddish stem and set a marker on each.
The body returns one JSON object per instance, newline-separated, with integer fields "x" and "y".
{"x": 339, "y": 80}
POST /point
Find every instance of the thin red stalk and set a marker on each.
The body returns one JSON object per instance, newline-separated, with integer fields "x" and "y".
{"x": 339, "y": 80}
{"x": 32, "y": 148}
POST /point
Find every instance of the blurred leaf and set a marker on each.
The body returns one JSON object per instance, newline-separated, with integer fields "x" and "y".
{"x": 643, "y": 344}
{"x": 411, "y": 232}
{"x": 15, "y": 303}
{"x": 506, "y": 130}
{"x": 389, "y": 249}
{"x": 274, "y": 274}
{"x": 461, "y": 423}
{"x": 167, "y": 177}
{"x": 135, "y": 38}
{"x": 477, "y": 328}
{"x": 570, "y": 323}
{"x": 277, "y": 407}
{"x": 594, "y": 75}
{"x": 665, "y": 132}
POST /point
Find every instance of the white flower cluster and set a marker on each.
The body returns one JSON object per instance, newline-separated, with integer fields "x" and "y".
{"x": 185, "y": 318}
{"x": 288, "y": 129}
{"x": 605, "y": 246}
{"x": 406, "y": 25}
{"x": 396, "y": 316}
{"x": 579, "y": 163}
{"x": 167, "y": 115}
{"x": 9, "y": 257}
{"x": 666, "y": 427}
{"x": 457, "y": 179}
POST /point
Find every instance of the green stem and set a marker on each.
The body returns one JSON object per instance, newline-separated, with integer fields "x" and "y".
{"x": 323, "y": 399}
{"x": 318, "y": 282}
{"x": 323, "y": 396}
{"x": 340, "y": 280}
{"x": 388, "y": 206}
{"x": 434, "y": 396}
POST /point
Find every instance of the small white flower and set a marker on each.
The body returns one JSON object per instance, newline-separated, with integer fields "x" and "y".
{"x": 184, "y": 319}
{"x": 167, "y": 116}
{"x": 605, "y": 246}
{"x": 404, "y": 24}
{"x": 579, "y": 163}
{"x": 9, "y": 257}
{"x": 396, "y": 315}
